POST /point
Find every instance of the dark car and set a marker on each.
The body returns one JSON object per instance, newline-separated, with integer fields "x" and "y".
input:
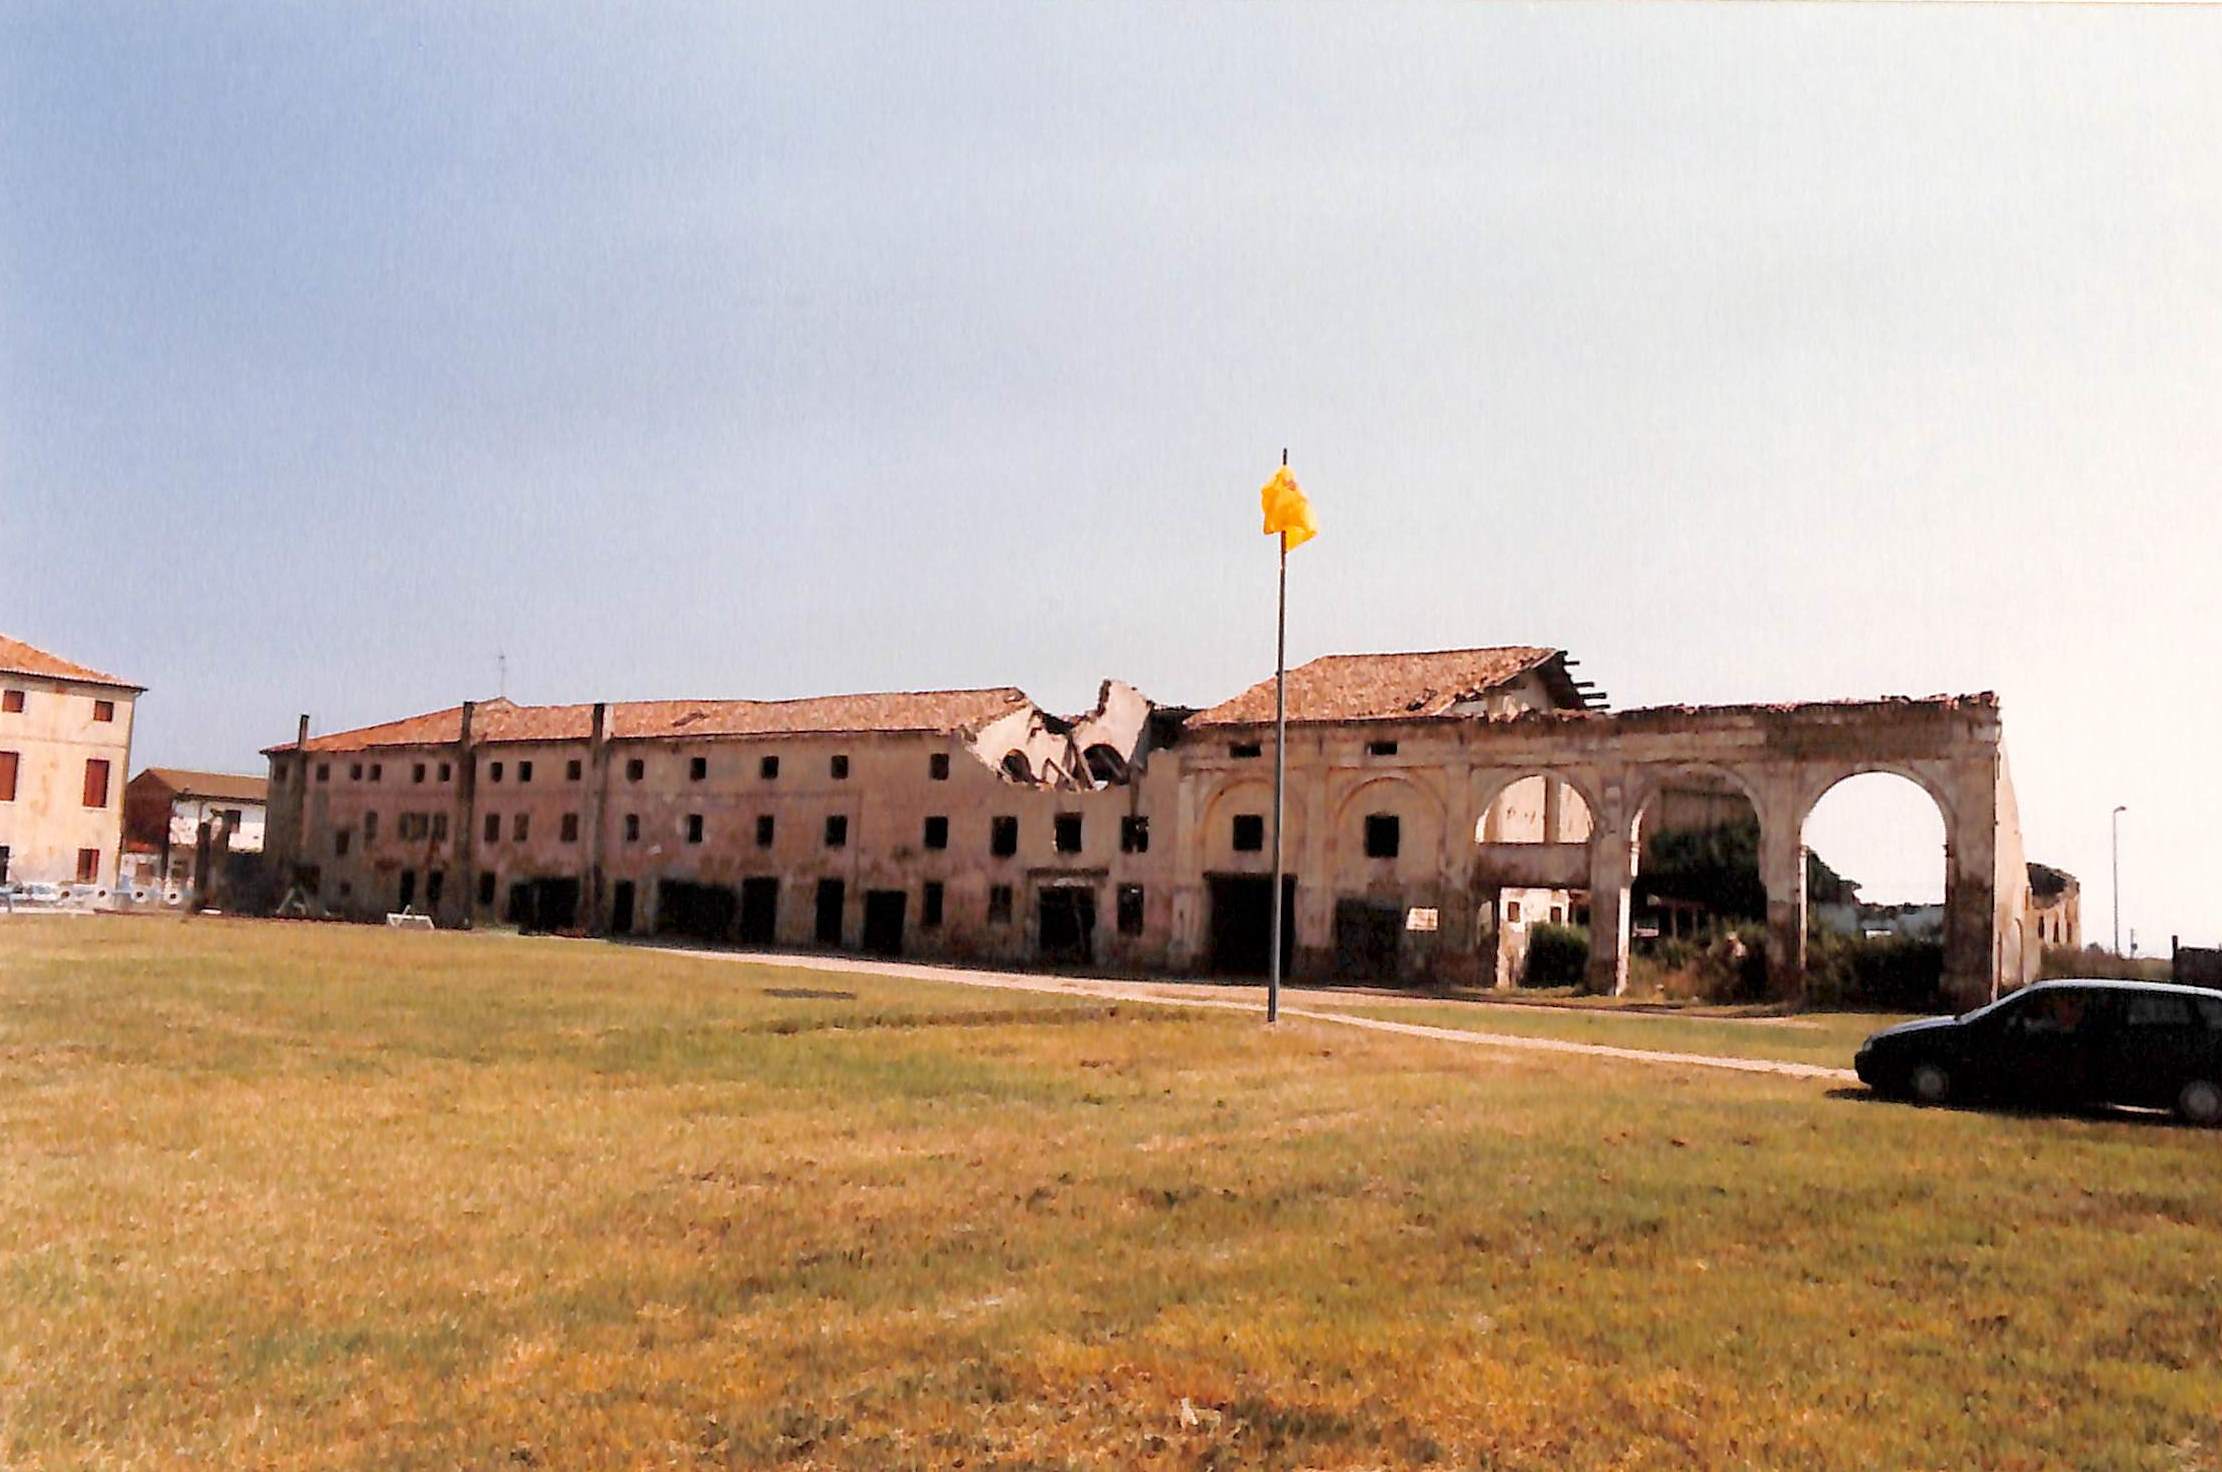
{"x": 2063, "y": 1043}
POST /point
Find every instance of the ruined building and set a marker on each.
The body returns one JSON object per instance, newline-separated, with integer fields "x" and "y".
{"x": 1439, "y": 804}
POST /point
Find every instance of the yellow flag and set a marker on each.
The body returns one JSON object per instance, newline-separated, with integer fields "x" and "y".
{"x": 1287, "y": 512}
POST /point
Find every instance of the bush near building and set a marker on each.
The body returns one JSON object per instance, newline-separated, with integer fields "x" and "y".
{"x": 1558, "y": 955}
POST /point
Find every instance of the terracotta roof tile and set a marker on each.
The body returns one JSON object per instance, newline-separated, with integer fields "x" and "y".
{"x": 228, "y": 786}
{"x": 637, "y": 720}
{"x": 19, "y": 658}
{"x": 1369, "y": 687}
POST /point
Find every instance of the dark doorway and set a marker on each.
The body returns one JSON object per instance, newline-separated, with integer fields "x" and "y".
{"x": 408, "y": 895}
{"x": 1242, "y": 923}
{"x": 883, "y": 921}
{"x": 434, "y": 884}
{"x": 1368, "y": 935}
{"x": 621, "y": 908}
{"x": 701, "y": 911}
{"x": 832, "y": 895}
{"x": 1068, "y": 924}
{"x": 759, "y": 912}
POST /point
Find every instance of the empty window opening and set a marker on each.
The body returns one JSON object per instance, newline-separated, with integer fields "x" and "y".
{"x": 837, "y": 831}
{"x": 573, "y": 769}
{"x": 1249, "y": 833}
{"x": 1384, "y": 835}
{"x": 937, "y": 766}
{"x": 370, "y": 829}
{"x": 568, "y": 830}
{"x": 632, "y": 827}
{"x": 768, "y": 768}
{"x": 1130, "y": 909}
{"x": 493, "y": 772}
{"x": 1380, "y": 748}
{"x": 486, "y": 888}
{"x": 1002, "y": 837}
{"x": 764, "y": 831}
{"x": 104, "y": 710}
{"x": 1244, "y": 750}
{"x": 342, "y": 841}
{"x": 694, "y": 827}
{"x": 323, "y": 771}
{"x": 446, "y": 771}
{"x": 519, "y": 827}
{"x": 635, "y": 769}
{"x": 1016, "y": 767}
{"x": 439, "y": 827}
{"x": 937, "y": 832}
{"x": 524, "y": 772}
{"x": 377, "y": 771}
{"x": 839, "y": 767}
{"x": 1134, "y": 835}
{"x": 355, "y": 771}
{"x": 999, "y": 904}
{"x": 416, "y": 773}
{"x": 493, "y": 827}
{"x": 929, "y": 907}
{"x": 88, "y": 865}
{"x": 1068, "y": 833}
{"x": 698, "y": 767}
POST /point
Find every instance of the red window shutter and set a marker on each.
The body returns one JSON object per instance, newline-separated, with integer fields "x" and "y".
{"x": 88, "y": 865}
{"x": 8, "y": 762}
{"x": 96, "y": 782}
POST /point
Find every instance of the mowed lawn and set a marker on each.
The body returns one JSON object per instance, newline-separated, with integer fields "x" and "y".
{"x": 1826, "y": 1038}
{"x": 283, "y": 1195}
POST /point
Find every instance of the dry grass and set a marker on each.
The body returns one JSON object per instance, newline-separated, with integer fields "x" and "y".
{"x": 1829, "y": 1038}
{"x": 279, "y": 1196}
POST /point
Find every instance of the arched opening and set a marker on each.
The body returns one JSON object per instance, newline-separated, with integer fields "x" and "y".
{"x": 1531, "y": 882}
{"x": 1877, "y": 870}
{"x": 1698, "y": 904}
{"x": 1386, "y": 856}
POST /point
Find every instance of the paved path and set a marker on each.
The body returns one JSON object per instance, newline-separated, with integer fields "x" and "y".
{"x": 1178, "y": 994}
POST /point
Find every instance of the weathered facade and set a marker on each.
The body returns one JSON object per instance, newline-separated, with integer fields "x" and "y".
{"x": 1439, "y": 804}
{"x": 65, "y": 749}
{"x": 163, "y": 810}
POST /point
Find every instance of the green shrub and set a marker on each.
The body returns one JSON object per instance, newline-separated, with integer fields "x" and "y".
{"x": 1558, "y": 955}
{"x": 1882, "y": 973}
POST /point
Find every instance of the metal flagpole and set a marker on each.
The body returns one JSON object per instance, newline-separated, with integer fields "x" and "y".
{"x": 1280, "y": 774}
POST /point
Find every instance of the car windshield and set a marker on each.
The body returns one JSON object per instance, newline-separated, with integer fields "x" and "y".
{"x": 1989, "y": 1007}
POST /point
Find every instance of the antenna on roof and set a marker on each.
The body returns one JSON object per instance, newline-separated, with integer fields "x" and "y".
{"x": 501, "y": 665}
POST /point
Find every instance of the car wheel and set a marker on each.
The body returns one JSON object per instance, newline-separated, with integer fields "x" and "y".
{"x": 2200, "y": 1102}
{"x": 1929, "y": 1083}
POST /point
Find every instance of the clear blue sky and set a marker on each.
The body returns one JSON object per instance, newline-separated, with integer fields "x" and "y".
{"x": 1750, "y": 352}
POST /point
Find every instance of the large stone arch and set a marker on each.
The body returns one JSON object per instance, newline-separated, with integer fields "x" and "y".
{"x": 1969, "y": 963}
{"x": 1214, "y": 832}
{"x": 1508, "y": 871}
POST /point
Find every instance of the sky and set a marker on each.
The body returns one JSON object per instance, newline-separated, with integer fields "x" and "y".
{"x": 1749, "y": 352}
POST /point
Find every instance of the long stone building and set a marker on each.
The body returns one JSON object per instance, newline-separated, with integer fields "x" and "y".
{"x": 65, "y": 749}
{"x": 1439, "y": 805}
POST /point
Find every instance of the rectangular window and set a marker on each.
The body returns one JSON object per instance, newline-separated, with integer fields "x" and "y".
{"x": 1130, "y": 909}
{"x": 1002, "y": 837}
{"x": 697, "y": 768}
{"x": 88, "y": 865}
{"x": 1381, "y": 748}
{"x": 635, "y": 769}
{"x": 96, "y": 782}
{"x": 840, "y": 768}
{"x": 493, "y": 827}
{"x": 104, "y": 710}
{"x": 1068, "y": 833}
{"x": 446, "y": 771}
{"x": 1244, "y": 750}
{"x": 1384, "y": 835}
{"x": 11, "y": 702}
{"x": 572, "y": 769}
{"x": 937, "y": 767}
{"x": 377, "y": 771}
{"x": 694, "y": 827}
{"x": 493, "y": 773}
{"x": 937, "y": 832}
{"x": 416, "y": 773}
{"x": 568, "y": 830}
{"x": 370, "y": 829}
{"x": 1512, "y": 912}
{"x": 524, "y": 771}
{"x": 768, "y": 768}
{"x": 632, "y": 827}
{"x": 9, "y": 763}
{"x": 929, "y": 907}
{"x": 999, "y": 904}
{"x": 1249, "y": 833}
{"x": 1134, "y": 835}
{"x": 764, "y": 831}
{"x": 439, "y": 827}
{"x": 837, "y": 831}
{"x": 323, "y": 771}
{"x": 355, "y": 771}
{"x": 341, "y": 841}
{"x": 519, "y": 827}
{"x": 486, "y": 888}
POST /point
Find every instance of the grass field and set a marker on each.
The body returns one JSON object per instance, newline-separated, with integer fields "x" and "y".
{"x": 1829, "y": 1038}
{"x": 303, "y": 1196}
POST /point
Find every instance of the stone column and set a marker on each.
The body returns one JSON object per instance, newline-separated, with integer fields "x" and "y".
{"x": 1782, "y": 872}
{"x": 594, "y": 803}
{"x": 1612, "y": 867}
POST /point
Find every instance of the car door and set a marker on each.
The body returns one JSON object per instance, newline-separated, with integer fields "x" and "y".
{"x": 2154, "y": 1049}
{"x": 2046, "y": 1050}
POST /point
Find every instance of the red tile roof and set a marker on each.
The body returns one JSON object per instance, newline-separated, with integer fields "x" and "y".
{"x": 19, "y": 658}
{"x": 636, "y": 720}
{"x": 1374, "y": 687}
{"x": 226, "y": 786}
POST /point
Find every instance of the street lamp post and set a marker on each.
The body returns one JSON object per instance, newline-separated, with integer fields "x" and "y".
{"x": 2117, "y": 820}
